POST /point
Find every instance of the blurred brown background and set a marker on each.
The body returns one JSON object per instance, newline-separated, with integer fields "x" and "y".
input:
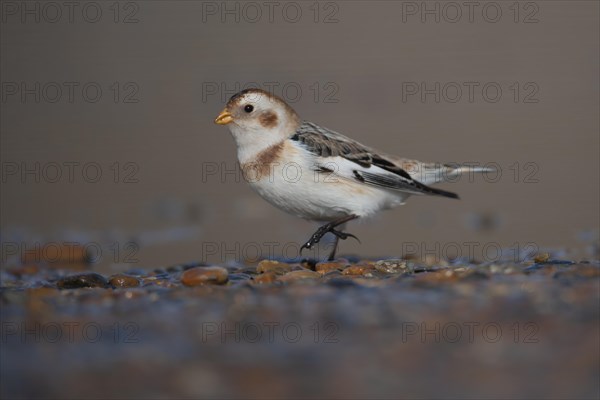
{"x": 165, "y": 70}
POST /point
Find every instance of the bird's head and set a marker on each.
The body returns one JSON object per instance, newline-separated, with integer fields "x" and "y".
{"x": 258, "y": 119}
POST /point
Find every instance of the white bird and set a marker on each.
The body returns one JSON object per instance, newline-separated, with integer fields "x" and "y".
{"x": 318, "y": 174}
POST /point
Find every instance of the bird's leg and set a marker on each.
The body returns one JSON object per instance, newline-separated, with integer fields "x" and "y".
{"x": 330, "y": 227}
{"x": 333, "y": 250}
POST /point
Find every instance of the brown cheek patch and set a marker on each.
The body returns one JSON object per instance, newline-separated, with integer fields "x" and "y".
{"x": 268, "y": 119}
{"x": 261, "y": 167}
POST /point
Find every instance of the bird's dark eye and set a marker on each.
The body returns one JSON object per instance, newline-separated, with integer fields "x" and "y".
{"x": 249, "y": 108}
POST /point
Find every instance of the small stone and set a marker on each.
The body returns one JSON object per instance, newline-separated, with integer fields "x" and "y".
{"x": 88, "y": 280}
{"x": 295, "y": 276}
{"x": 356, "y": 270}
{"x": 204, "y": 275}
{"x": 266, "y": 278}
{"x": 273, "y": 266}
{"x": 542, "y": 257}
{"x": 391, "y": 266}
{"x": 124, "y": 281}
{"x": 324, "y": 267}
{"x": 331, "y": 275}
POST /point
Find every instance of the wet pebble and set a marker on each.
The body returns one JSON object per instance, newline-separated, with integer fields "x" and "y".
{"x": 273, "y": 266}
{"x": 123, "y": 281}
{"x": 299, "y": 275}
{"x": 542, "y": 257}
{"x": 266, "y": 278}
{"x": 324, "y": 267}
{"x": 88, "y": 280}
{"x": 204, "y": 275}
{"x": 357, "y": 270}
{"x": 392, "y": 266}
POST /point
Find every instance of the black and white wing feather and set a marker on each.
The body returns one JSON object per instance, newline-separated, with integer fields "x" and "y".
{"x": 351, "y": 160}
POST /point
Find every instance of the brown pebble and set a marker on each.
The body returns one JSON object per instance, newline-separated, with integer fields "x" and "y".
{"x": 90, "y": 280}
{"x": 542, "y": 257}
{"x": 299, "y": 275}
{"x": 273, "y": 266}
{"x": 204, "y": 275}
{"x": 267, "y": 277}
{"x": 356, "y": 270}
{"x": 124, "y": 281}
{"x": 324, "y": 267}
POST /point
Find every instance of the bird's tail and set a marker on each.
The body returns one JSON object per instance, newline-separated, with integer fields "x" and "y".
{"x": 431, "y": 173}
{"x": 444, "y": 193}
{"x": 456, "y": 170}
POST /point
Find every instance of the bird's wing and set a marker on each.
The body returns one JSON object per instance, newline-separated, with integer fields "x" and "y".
{"x": 352, "y": 160}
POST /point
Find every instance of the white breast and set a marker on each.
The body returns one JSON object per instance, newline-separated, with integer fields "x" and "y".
{"x": 294, "y": 183}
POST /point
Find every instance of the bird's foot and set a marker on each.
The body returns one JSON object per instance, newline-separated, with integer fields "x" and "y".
{"x": 318, "y": 235}
{"x": 344, "y": 235}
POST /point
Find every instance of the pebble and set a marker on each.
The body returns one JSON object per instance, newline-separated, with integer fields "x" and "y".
{"x": 87, "y": 280}
{"x": 542, "y": 257}
{"x": 324, "y": 267}
{"x": 266, "y": 278}
{"x": 204, "y": 275}
{"x": 273, "y": 266}
{"x": 356, "y": 270}
{"x": 295, "y": 276}
{"x": 124, "y": 281}
{"x": 392, "y": 266}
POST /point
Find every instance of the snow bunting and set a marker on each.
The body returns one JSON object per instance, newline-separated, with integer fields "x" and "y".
{"x": 318, "y": 174}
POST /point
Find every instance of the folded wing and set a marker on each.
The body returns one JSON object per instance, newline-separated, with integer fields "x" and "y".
{"x": 351, "y": 160}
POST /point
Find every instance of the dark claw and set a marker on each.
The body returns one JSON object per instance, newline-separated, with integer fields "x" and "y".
{"x": 344, "y": 235}
{"x": 318, "y": 235}
{"x": 330, "y": 227}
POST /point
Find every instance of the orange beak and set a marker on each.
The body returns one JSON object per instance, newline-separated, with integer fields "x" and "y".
{"x": 224, "y": 118}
